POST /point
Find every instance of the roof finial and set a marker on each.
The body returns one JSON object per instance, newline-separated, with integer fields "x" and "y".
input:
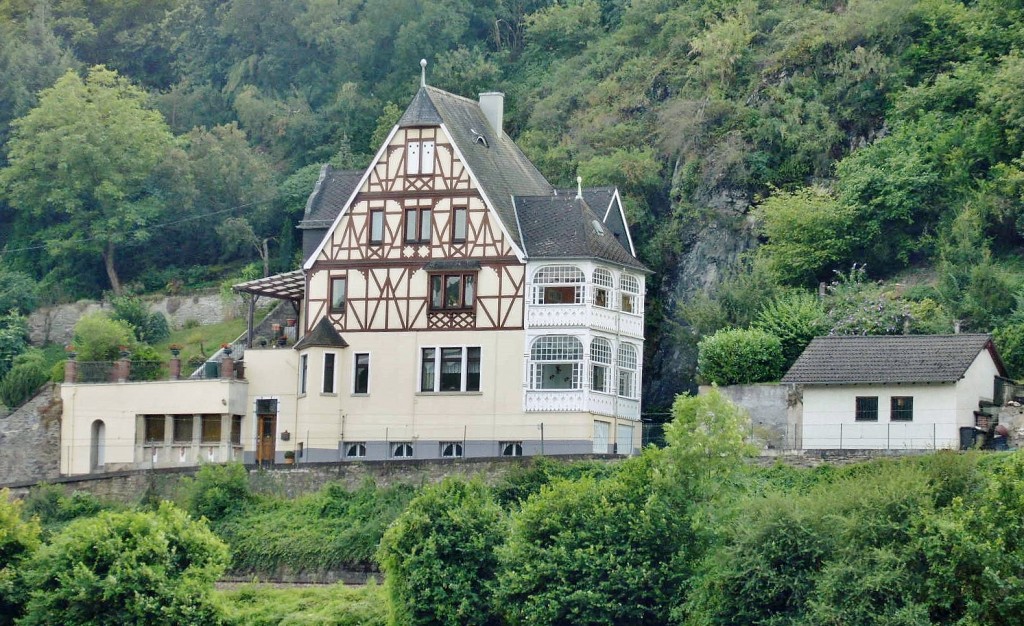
{"x": 423, "y": 72}
{"x": 579, "y": 187}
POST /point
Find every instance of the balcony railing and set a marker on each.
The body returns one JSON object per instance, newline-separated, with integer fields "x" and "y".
{"x": 583, "y": 315}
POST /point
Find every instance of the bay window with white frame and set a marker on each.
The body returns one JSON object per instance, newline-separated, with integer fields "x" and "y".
{"x": 604, "y": 287}
{"x": 627, "y": 365}
{"x": 559, "y": 284}
{"x": 556, "y": 362}
{"x": 629, "y": 292}
{"x": 601, "y": 365}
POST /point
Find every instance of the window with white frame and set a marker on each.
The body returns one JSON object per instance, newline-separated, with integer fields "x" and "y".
{"x": 451, "y": 449}
{"x": 556, "y": 362}
{"x": 330, "y": 360}
{"x": 419, "y": 157}
{"x": 559, "y": 284}
{"x": 455, "y": 369}
{"x": 629, "y": 288}
{"x": 511, "y": 448}
{"x": 355, "y": 450}
{"x": 627, "y": 370}
{"x": 401, "y": 450}
{"x": 603, "y": 288}
{"x": 600, "y": 365}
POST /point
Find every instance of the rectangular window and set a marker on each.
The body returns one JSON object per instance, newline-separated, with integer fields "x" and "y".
{"x": 901, "y": 408}
{"x": 361, "y": 373}
{"x": 236, "y": 430}
{"x": 211, "y": 429}
{"x": 452, "y": 291}
{"x": 459, "y": 224}
{"x": 417, "y": 225}
{"x": 628, "y": 303}
{"x": 376, "y": 226}
{"x": 866, "y": 409}
{"x": 183, "y": 428}
{"x": 303, "y": 373}
{"x": 329, "y": 359}
{"x": 419, "y": 158}
{"x": 450, "y": 369}
{"x": 338, "y": 288}
{"x": 355, "y": 449}
{"x": 154, "y": 428}
{"x": 451, "y": 449}
{"x": 599, "y": 379}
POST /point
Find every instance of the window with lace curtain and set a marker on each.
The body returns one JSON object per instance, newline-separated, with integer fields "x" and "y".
{"x": 454, "y": 369}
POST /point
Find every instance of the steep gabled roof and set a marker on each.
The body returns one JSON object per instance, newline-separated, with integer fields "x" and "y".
{"x": 323, "y": 335}
{"x": 886, "y": 359}
{"x": 497, "y": 163}
{"x": 565, "y": 227}
{"x": 331, "y": 192}
{"x": 606, "y": 203}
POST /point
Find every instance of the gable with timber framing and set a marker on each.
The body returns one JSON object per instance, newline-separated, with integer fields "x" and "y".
{"x": 418, "y": 203}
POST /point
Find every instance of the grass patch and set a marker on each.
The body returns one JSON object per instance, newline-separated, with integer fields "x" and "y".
{"x": 334, "y": 605}
{"x": 201, "y": 342}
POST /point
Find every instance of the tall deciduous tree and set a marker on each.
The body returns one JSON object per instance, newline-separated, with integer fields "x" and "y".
{"x": 82, "y": 165}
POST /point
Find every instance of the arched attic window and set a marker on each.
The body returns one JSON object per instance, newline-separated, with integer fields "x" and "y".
{"x": 559, "y": 284}
{"x": 556, "y": 362}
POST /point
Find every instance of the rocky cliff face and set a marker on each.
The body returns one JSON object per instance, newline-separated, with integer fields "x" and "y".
{"x": 712, "y": 244}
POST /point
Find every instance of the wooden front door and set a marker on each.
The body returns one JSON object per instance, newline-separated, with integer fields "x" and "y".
{"x": 266, "y": 432}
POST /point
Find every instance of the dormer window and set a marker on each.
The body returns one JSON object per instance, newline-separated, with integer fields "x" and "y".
{"x": 559, "y": 284}
{"x": 419, "y": 158}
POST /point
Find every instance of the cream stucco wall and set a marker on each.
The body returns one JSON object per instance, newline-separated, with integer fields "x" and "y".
{"x": 118, "y": 404}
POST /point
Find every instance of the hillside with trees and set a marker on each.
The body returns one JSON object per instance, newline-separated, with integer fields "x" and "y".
{"x": 764, "y": 146}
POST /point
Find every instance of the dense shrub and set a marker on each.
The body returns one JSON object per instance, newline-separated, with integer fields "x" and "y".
{"x": 439, "y": 556}
{"x": 520, "y": 482}
{"x": 739, "y": 357}
{"x": 148, "y": 327}
{"x": 1009, "y": 340}
{"x": 13, "y": 339}
{"x": 54, "y": 508}
{"x": 795, "y": 318}
{"x": 335, "y": 605}
{"x": 127, "y": 568}
{"x": 28, "y": 373}
{"x": 593, "y": 551}
{"x": 217, "y": 491}
{"x": 17, "y": 291}
{"x": 100, "y": 338}
{"x": 19, "y": 539}
{"x": 856, "y": 305}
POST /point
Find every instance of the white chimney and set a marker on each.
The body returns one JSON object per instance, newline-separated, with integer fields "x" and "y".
{"x": 492, "y": 103}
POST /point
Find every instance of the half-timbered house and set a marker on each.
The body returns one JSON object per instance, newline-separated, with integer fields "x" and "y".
{"x": 452, "y": 303}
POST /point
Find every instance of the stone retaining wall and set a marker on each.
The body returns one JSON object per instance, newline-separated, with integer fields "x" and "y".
{"x": 30, "y": 439}
{"x": 56, "y": 324}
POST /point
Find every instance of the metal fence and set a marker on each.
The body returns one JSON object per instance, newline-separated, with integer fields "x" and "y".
{"x": 108, "y": 371}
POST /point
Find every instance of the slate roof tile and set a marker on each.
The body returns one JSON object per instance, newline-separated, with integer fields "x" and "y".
{"x": 888, "y": 359}
{"x": 332, "y": 190}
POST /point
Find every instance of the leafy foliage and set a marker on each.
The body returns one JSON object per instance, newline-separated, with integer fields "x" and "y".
{"x": 795, "y": 319}
{"x": 217, "y": 491}
{"x": 19, "y": 539}
{"x": 334, "y": 605}
{"x": 28, "y": 373}
{"x": 154, "y": 568}
{"x": 739, "y": 357}
{"x": 148, "y": 327}
{"x": 13, "y": 339}
{"x": 99, "y": 338}
{"x": 439, "y": 556}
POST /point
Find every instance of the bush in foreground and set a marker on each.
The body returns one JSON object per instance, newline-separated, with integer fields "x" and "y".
{"x": 127, "y": 568}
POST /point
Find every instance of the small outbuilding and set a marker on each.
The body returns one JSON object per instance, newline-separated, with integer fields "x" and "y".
{"x": 897, "y": 392}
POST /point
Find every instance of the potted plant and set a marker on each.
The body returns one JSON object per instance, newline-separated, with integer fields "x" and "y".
{"x": 175, "y": 349}
{"x": 226, "y": 347}
{"x": 125, "y": 352}
{"x": 289, "y": 457}
{"x": 71, "y": 352}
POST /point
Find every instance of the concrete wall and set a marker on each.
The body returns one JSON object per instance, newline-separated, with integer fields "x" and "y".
{"x": 775, "y": 412}
{"x": 30, "y": 439}
{"x": 56, "y": 324}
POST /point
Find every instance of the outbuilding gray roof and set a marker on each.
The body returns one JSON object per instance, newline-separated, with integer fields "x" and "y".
{"x": 497, "y": 162}
{"x": 565, "y": 227}
{"x": 323, "y": 335}
{"x": 332, "y": 191}
{"x": 844, "y": 360}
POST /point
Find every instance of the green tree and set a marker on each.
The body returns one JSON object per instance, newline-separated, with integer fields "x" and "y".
{"x": 795, "y": 318}
{"x": 128, "y": 568}
{"x": 100, "y": 338}
{"x": 218, "y": 490}
{"x": 439, "y": 556}
{"x": 19, "y": 539}
{"x": 809, "y": 233}
{"x": 13, "y": 339}
{"x": 82, "y": 166}
{"x": 739, "y": 357}
{"x": 595, "y": 551}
